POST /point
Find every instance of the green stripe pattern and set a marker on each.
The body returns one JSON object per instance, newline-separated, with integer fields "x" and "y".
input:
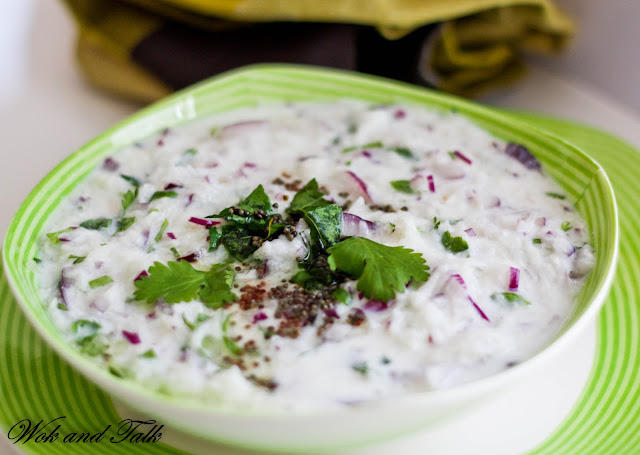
{"x": 28, "y": 382}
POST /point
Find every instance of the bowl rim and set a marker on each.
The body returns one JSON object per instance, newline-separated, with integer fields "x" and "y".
{"x": 120, "y": 387}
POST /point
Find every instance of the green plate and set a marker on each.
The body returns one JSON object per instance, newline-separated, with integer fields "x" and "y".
{"x": 35, "y": 383}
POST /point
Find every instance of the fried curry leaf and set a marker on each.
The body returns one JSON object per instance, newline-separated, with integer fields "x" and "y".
{"x": 323, "y": 217}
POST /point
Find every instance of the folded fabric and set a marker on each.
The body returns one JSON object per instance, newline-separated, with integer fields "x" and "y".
{"x": 144, "y": 49}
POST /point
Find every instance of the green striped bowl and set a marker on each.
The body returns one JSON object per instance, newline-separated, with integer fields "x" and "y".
{"x": 582, "y": 178}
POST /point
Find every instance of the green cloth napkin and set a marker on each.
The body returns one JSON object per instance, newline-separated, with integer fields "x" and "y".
{"x": 144, "y": 49}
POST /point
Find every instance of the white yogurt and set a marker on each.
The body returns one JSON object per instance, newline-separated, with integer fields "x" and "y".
{"x": 523, "y": 239}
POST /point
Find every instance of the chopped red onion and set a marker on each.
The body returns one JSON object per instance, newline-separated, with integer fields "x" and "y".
{"x": 541, "y": 221}
{"x": 250, "y": 165}
{"x": 171, "y": 186}
{"x": 475, "y": 305}
{"x": 523, "y": 155}
{"x": 354, "y": 225}
{"x": 462, "y": 157}
{"x": 399, "y": 114}
{"x": 189, "y": 200}
{"x": 189, "y": 258}
{"x": 332, "y": 313}
{"x": 171, "y": 235}
{"x": 140, "y": 275}
{"x": 238, "y": 128}
{"x": 432, "y": 185}
{"x": 203, "y": 222}
{"x": 259, "y": 317}
{"x": 361, "y": 185}
{"x": 470, "y": 232}
{"x": 376, "y": 305}
{"x": 514, "y": 278}
{"x": 239, "y": 174}
{"x": 132, "y": 337}
{"x": 110, "y": 165}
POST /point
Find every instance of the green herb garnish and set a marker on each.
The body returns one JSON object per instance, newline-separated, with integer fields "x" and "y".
{"x": 128, "y": 198}
{"x": 199, "y": 320}
{"x": 214, "y": 238}
{"x": 381, "y": 270}
{"x": 404, "y": 152}
{"x": 132, "y": 180}
{"x": 436, "y": 223}
{"x": 342, "y": 296}
{"x": 453, "y": 244}
{"x": 323, "y": 217}
{"x": 161, "y": 194}
{"x": 37, "y": 260}
{"x": 149, "y": 354}
{"x": 228, "y": 342}
{"x": 77, "y": 259}
{"x": 556, "y": 195}
{"x": 404, "y": 186}
{"x": 537, "y": 241}
{"x": 102, "y": 281}
{"x": 370, "y": 145}
{"x": 97, "y": 223}
{"x": 165, "y": 225}
{"x": 510, "y": 298}
{"x": 248, "y": 221}
{"x": 566, "y": 226}
{"x": 125, "y": 223}
{"x": 361, "y": 367}
{"x": 55, "y": 236}
{"x": 178, "y": 281}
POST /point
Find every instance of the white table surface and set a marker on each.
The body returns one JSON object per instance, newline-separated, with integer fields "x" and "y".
{"x": 47, "y": 111}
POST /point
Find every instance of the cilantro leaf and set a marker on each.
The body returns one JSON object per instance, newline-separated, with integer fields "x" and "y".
{"x": 566, "y": 226}
{"x": 97, "y": 223}
{"x": 178, "y": 281}
{"x": 381, "y": 270}
{"x": 404, "y": 186}
{"x": 218, "y": 283}
{"x": 174, "y": 282}
{"x": 453, "y": 244}
{"x": 55, "y": 236}
{"x": 323, "y": 217}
